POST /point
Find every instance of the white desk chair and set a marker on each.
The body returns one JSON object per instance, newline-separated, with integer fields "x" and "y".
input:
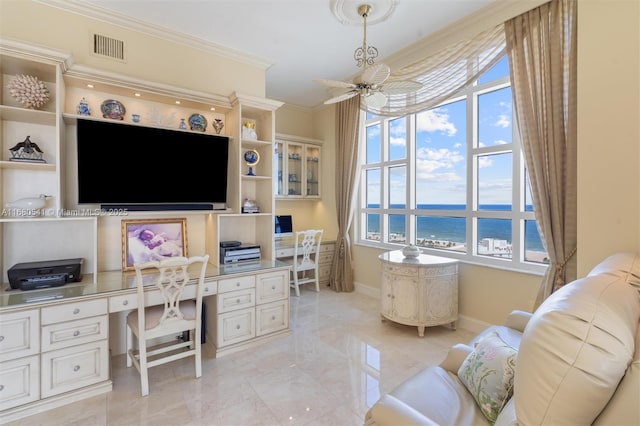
{"x": 305, "y": 259}
{"x": 170, "y": 319}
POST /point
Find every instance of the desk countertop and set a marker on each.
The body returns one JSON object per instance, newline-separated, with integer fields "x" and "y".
{"x": 117, "y": 281}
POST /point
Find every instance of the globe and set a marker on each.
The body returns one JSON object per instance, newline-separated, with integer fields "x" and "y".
{"x": 251, "y": 157}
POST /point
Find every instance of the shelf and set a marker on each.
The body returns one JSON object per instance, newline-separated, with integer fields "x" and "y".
{"x": 26, "y": 165}
{"x": 247, "y": 177}
{"x": 249, "y": 143}
{"x": 26, "y": 115}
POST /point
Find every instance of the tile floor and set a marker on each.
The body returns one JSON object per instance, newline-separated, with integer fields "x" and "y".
{"x": 336, "y": 363}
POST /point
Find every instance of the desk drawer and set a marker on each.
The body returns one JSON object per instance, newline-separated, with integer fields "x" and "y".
{"x": 73, "y": 368}
{"x": 284, "y": 252}
{"x": 327, "y": 248}
{"x": 235, "y": 327}
{"x": 234, "y": 300}
{"x": 71, "y": 333}
{"x": 19, "y": 382}
{"x": 326, "y": 257}
{"x": 19, "y": 334}
{"x": 73, "y": 311}
{"x": 127, "y": 302}
{"x": 237, "y": 283}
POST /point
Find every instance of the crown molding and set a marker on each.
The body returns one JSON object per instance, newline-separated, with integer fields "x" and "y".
{"x": 91, "y": 11}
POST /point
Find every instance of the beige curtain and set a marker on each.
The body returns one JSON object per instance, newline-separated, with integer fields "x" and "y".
{"x": 541, "y": 45}
{"x": 444, "y": 73}
{"x": 347, "y": 177}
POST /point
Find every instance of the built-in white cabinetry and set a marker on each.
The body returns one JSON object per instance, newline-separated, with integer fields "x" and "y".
{"x": 298, "y": 163}
{"x": 21, "y": 228}
{"x": 250, "y": 308}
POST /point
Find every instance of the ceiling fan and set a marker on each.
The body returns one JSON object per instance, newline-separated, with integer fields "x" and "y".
{"x": 370, "y": 84}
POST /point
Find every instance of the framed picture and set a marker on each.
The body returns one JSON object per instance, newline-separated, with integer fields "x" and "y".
{"x": 144, "y": 240}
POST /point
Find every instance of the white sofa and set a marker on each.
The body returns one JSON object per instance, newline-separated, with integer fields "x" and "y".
{"x": 577, "y": 361}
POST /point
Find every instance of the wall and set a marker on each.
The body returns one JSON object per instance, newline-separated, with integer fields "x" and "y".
{"x": 147, "y": 57}
{"x": 608, "y": 129}
{"x": 608, "y": 158}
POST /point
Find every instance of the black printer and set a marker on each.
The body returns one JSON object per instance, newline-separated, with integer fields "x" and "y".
{"x": 45, "y": 274}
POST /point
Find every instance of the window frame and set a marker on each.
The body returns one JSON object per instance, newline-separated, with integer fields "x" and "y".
{"x": 471, "y": 214}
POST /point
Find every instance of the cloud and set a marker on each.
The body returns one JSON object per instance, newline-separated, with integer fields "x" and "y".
{"x": 500, "y": 142}
{"x": 503, "y": 121}
{"x": 401, "y": 141}
{"x": 435, "y": 120}
{"x": 437, "y": 164}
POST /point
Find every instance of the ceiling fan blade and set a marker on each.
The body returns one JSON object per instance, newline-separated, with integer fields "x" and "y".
{"x": 336, "y": 83}
{"x": 375, "y": 74}
{"x": 375, "y": 100}
{"x": 401, "y": 87}
{"x": 342, "y": 97}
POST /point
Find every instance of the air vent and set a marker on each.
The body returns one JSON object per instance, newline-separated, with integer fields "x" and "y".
{"x": 107, "y": 46}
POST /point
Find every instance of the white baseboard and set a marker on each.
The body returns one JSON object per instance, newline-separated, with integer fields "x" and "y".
{"x": 468, "y": 323}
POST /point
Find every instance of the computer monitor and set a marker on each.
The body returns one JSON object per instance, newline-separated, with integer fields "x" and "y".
{"x": 283, "y": 226}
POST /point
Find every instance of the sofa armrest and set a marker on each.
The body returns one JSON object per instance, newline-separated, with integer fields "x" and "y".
{"x": 391, "y": 411}
{"x": 456, "y": 355}
{"x": 518, "y": 320}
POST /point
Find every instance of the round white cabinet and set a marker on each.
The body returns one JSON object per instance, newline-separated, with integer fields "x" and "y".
{"x": 420, "y": 291}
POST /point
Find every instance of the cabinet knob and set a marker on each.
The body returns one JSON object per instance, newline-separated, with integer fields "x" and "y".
{"x": 238, "y": 284}
{"x": 237, "y": 300}
{"x": 1, "y": 387}
{"x": 125, "y": 303}
{"x": 238, "y": 327}
{"x": 76, "y": 333}
{"x": 76, "y": 311}
{"x": 76, "y": 368}
{"x": 1, "y": 338}
{"x": 273, "y": 287}
{"x": 273, "y": 318}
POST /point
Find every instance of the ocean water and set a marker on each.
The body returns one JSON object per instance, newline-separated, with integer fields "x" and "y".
{"x": 454, "y": 229}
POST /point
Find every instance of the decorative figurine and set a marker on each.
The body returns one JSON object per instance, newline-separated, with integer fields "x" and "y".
{"x": 218, "y": 125}
{"x": 252, "y": 157}
{"x": 83, "y": 107}
{"x": 26, "y": 151}
{"x": 249, "y": 130}
{"x": 183, "y": 124}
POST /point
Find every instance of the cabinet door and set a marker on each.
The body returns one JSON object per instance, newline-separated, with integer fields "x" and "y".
{"x": 19, "y": 333}
{"x": 312, "y": 157}
{"x": 272, "y": 286}
{"x": 406, "y": 298}
{"x": 272, "y": 317}
{"x": 19, "y": 382}
{"x": 75, "y": 367}
{"x": 295, "y": 177}
{"x": 386, "y": 295}
{"x": 235, "y": 327}
{"x": 280, "y": 171}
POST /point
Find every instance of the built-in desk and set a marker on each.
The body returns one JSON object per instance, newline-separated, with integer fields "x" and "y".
{"x": 284, "y": 252}
{"x": 54, "y": 343}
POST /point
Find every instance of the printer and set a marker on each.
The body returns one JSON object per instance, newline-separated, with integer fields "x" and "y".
{"x": 45, "y": 274}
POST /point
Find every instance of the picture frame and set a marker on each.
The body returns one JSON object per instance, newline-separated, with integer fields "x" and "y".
{"x": 146, "y": 240}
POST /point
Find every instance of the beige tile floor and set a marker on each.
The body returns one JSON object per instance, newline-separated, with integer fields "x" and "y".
{"x": 339, "y": 359}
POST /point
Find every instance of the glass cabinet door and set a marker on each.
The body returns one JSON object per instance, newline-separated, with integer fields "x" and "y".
{"x": 278, "y": 161}
{"x": 312, "y": 156}
{"x": 295, "y": 176}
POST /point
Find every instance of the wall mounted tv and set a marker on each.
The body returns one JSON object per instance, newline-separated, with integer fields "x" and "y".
{"x": 145, "y": 168}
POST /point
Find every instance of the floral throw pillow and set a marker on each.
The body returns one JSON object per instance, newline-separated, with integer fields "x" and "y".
{"x": 487, "y": 372}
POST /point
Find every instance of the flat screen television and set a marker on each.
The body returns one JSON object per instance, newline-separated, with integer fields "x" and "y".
{"x": 146, "y": 168}
{"x": 283, "y": 226}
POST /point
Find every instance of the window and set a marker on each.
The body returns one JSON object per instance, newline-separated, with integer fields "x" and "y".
{"x": 452, "y": 180}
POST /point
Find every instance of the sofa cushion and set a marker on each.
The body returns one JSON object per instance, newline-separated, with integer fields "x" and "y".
{"x": 575, "y": 351}
{"x": 487, "y": 372}
{"x": 438, "y": 396}
{"x": 625, "y": 265}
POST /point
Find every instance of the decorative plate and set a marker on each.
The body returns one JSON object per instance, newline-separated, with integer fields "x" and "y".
{"x": 112, "y": 109}
{"x": 198, "y": 122}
